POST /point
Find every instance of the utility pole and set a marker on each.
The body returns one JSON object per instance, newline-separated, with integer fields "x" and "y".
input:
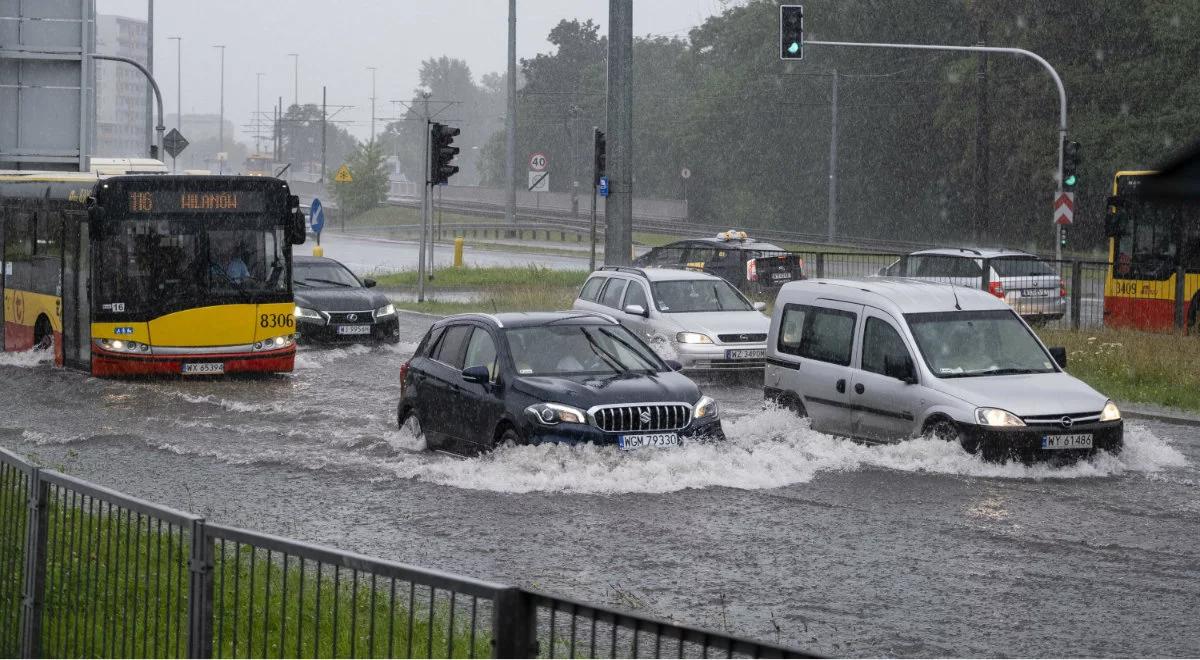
{"x": 221, "y": 120}
{"x": 510, "y": 120}
{"x": 279, "y": 132}
{"x": 831, "y": 228}
{"x": 618, "y": 236}
{"x": 150, "y": 67}
{"x": 178, "y": 89}
{"x": 982, "y": 145}
{"x": 258, "y": 113}
{"x": 296, "y": 73}
{"x": 372, "y": 70}
{"x": 324, "y": 131}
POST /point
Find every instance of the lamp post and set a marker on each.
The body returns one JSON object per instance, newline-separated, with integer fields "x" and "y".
{"x": 372, "y": 70}
{"x": 178, "y": 87}
{"x": 258, "y": 113}
{"x": 221, "y": 120}
{"x": 296, "y": 73}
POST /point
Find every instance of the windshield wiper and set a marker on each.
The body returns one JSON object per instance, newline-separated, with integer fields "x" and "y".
{"x": 626, "y": 344}
{"x": 603, "y": 353}
{"x": 305, "y": 282}
{"x": 1005, "y": 371}
{"x": 212, "y": 267}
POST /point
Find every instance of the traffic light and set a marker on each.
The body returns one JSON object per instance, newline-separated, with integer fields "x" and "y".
{"x": 1062, "y": 237}
{"x": 441, "y": 152}
{"x": 600, "y": 147}
{"x": 791, "y": 32}
{"x": 1070, "y": 166}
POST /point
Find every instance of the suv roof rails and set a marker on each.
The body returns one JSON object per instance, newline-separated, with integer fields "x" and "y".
{"x": 624, "y": 269}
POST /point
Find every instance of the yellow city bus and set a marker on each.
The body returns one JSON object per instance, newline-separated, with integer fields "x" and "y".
{"x": 1148, "y": 242}
{"x": 149, "y": 274}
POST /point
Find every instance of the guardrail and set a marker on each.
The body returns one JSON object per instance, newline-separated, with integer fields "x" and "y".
{"x": 89, "y": 571}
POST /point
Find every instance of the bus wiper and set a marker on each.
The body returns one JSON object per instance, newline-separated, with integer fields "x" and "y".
{"x": 238, "y": 287}
{"x": 603, "y": 353}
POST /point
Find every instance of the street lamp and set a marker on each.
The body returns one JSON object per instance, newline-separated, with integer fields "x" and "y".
{"x": 372, "y": 70}
{"x": 296, "y": 69}
{"x": 178, "y": 86}
{"x": 258, "y": 113}
{"x": 221, "y": 120}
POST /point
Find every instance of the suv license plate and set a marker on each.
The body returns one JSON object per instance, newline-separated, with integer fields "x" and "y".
{"x": 202, "y": 368}
{"x": 1069, "y": 441}
{"x": 628, "y": 442}
{"x": 745, "y": 353}
{"x": 354, "y": 329}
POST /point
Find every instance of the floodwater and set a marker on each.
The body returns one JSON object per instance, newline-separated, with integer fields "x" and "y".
{"x": 782, "y": 533}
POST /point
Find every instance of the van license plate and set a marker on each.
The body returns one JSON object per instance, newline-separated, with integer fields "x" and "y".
{"x": 628, "y": 442}
{"x": 203, "y": 368}
{"x": 1068, "y": 441}
{"x": 354, "y": 329}
{"x": 745, "y": 354}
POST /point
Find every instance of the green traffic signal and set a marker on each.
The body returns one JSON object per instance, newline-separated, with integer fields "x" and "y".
{"x": 794, "y": 48}
{"x": 1070, "y": 180}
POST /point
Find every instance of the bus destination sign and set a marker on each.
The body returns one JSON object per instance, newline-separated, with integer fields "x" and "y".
{"x": 190, "y": 201}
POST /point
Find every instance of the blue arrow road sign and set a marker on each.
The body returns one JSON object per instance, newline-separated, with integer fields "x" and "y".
{"x": 604, "y": 186}
{"x": 316, "y": 217}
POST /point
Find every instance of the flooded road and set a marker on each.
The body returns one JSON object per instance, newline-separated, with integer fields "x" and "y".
{"x": 782, "y": 533}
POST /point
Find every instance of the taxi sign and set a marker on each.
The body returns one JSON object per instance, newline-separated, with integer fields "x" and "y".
{"x": 343, "y": 175}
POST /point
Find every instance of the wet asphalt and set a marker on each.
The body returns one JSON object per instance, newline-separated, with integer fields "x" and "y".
{"x": 784, "y": 534}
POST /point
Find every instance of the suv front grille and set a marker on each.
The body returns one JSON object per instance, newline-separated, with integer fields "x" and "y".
{"x": 344, "y": 317}
{"x": 746, "y": 338}
{"x": 647, "y": 418}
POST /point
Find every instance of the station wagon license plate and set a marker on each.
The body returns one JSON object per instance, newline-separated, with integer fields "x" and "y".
{"x": 1067, "y": 441}
{"x": 203, "y": 368}
{"x": 745, "y": 353}
{"x": 781, "y": 276}
{"x": 354, "y": 329}
{"x": 628, "y": 442}
{"x": 1035, "y": 293}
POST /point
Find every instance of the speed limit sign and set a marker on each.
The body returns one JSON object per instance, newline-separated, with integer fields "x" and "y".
{"x": 538, "y": 162}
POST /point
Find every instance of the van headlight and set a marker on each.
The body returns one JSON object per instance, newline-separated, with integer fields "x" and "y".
{"x": 706, "y": 408}
{"x": 1110, "y": 413}
{"x": 997, "y": 417}
{"x": 310, "y": 314}
{"x": 386, "y": 310}
{"x": 549, "y": 414}
{"x": 692, "y": 338}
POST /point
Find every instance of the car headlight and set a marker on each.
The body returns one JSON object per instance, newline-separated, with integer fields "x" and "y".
{"x": 1110, "y": 413}
{"x": 692, "y": 338}
{"x": 386, "y": 310}
{"x": 549, "y": 414}
{"x": 997, "y": 417}
{"x": 306, "y": 313}
{"x": 706, "y": 407}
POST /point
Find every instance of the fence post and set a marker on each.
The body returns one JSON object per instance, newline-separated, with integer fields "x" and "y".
{"x": 1076, "y": 293}
{"x": 35, "y": 565}
{"x": 820, "y": 265}
{"x": 200, "y": 593}
{"x": 1180, "y": 273}
{"x": 514, "y": 625}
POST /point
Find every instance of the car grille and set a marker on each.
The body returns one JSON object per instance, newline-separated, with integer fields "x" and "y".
{"x": 1057, "y": 420}
{"x": 343, "y": 317}
{"x": 742, "y": 338}
{"x": 643, "y": 417}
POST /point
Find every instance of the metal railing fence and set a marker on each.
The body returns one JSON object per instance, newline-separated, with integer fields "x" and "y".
{"x": 89, "y": 571}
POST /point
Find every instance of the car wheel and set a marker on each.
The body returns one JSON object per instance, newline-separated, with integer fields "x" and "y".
{"x": 509, "y": 436}
{"x": 406, "y": 420}
{"x": 1193, "y": 326}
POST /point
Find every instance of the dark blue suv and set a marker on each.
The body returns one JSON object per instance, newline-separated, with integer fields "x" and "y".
{"x": 480, "y": 380}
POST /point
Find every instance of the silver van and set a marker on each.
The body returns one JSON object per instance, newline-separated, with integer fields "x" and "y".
{"x": 888, "y": 359}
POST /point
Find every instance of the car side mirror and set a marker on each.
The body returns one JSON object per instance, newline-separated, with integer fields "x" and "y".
{"x": 1059, "y": 354}
{"x": 478, "y": 375}
{"x": 636, "y": 310}
{"x": 369, "y": 283}
{"x": 675, "y": 365}
{"x": 760, "y": 306}
{"x": 901, "y": 370}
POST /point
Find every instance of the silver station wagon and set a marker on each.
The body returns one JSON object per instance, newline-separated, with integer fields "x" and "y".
{"x": 888, "y": 359}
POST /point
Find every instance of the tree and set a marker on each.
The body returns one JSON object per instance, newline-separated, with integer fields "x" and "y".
{"x": 300, "y": 131}
{"x": 369, "y": 186}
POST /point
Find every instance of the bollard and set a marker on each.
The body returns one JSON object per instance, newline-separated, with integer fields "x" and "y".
{"x": 318, "y": 251}
{"x": 458, "y": 250}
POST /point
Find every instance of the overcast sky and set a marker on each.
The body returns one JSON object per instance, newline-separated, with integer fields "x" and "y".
{"x": 338, "y": 41}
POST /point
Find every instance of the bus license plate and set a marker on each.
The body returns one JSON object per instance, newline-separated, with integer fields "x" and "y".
{"x": 203, "y": 368}
{"x": 745, "y": 354}
{"x": 629, "y": 442}
{"x": 1068, "y": 441}
{"x": 354, "y": 329}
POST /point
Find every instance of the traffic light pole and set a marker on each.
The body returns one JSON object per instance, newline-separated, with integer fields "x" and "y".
{"x": 1062, "y": 92}
{"x": 424, "y": 218}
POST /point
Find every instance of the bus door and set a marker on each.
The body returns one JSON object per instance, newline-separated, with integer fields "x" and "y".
{"x": 76, "y": 303}
{"x": 3, "y": 269}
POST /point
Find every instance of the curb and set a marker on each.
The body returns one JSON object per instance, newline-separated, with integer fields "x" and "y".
{"x": 1169, "y": 419}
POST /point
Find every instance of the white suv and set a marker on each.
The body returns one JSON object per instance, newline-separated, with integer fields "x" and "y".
{"x": 1028, "y": 284}
{"x": 697, "y": 319}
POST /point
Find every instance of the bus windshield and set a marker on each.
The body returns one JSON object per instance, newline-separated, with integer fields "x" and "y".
{"x": 162, "y": 264}
{"x": 1152, "y": 240}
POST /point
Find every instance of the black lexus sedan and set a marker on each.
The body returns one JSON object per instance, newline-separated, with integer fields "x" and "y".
{"x": 479, "y": 380}
{"x": 333, "y": 304}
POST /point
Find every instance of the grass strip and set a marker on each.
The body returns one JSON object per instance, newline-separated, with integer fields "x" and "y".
{"x": 479, "y": 278}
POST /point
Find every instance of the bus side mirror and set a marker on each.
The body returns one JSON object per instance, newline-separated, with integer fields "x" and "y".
{"x": 297, "y": 230}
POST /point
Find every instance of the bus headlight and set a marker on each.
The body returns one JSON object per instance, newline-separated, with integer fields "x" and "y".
{"x": 273, "y": 343}
{"x": 1110, "y": 413}
{"x": 309, "y": 314}
{"x": 386, "y": 310}
{"x": 997, "y": 417}
{"x": 123, "y": 346}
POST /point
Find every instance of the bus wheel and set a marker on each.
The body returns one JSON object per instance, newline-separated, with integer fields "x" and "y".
{"x": 43, "y": 334}
{"x": 1193, "y": 326}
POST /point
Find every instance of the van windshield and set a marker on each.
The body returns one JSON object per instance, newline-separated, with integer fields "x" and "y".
{"x": 978, "y": 343}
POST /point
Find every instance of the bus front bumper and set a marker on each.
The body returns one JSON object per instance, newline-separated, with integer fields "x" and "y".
{"x": 116, "y": 364}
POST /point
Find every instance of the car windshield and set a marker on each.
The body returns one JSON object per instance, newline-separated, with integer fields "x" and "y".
{"x": 978, "y": 343}
{"x": 323, "y": 275}
{"x": 569, "y": 349}
{"x": 705, "y": 295}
